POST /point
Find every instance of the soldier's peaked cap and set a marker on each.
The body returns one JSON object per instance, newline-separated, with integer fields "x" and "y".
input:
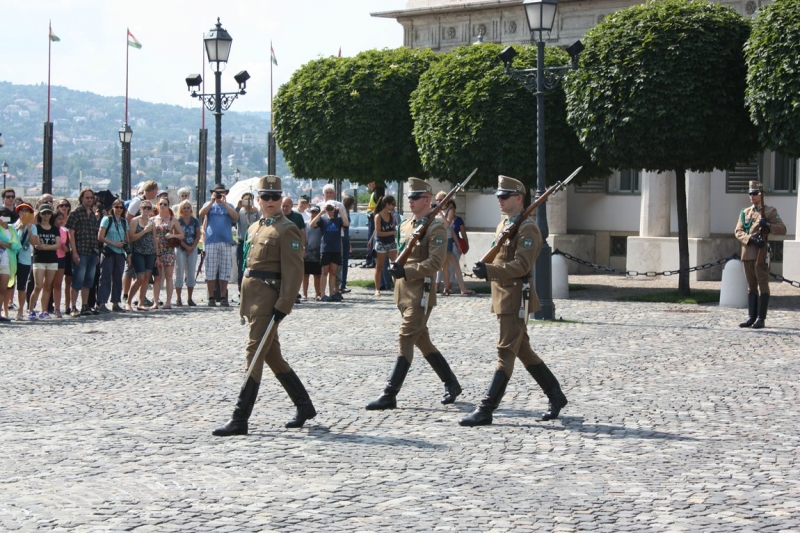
{"x": 506, "y": 184}
{"x": 269, "y": 183}
{"x": 418, "y": 186}
{"x": 754, "y": 186}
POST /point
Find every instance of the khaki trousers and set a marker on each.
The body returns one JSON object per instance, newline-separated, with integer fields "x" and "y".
{"x": 757, "y": 276}
{"x": 272, "y": 354}
{"x": 414, "y": 332}
{"x": 514, "y": 343}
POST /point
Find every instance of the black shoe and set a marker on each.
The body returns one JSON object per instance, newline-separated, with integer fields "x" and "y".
{"x": 237, "y": 425}
{"x": 482, "y": 415}
{"x": 85, "y": 311}
{"x": 551, "y": 388}
{"x": 752, "y": 310}
{"x": 299, "y": 396}
{"x": 388, "y": 400}
{"x": 763, "y": 303}
{"x": 451, "y": 386}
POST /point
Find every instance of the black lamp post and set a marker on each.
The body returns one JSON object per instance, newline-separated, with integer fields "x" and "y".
{"x": 218, "y": 48}
{"x": 236, "y": 175}
{"x": 125, "y": 136}
{"x": 5, "y": 173}
{"x": 541, "y": 15}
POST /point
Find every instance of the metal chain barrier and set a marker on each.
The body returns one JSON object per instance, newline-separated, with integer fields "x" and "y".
{"x": 664, "y": 273}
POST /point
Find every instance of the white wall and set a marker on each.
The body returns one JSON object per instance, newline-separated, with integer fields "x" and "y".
{"x": 594, "y": 212}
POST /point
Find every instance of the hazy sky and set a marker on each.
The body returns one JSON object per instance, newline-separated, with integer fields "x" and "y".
{"x": 91, "y": 53}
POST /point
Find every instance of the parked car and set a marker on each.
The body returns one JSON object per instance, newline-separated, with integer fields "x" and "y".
{"x": 359, "y": 233}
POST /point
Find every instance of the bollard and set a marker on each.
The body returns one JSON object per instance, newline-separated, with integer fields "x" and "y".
{"x": 733, "y": 289}
{"x": 560, "y": 276}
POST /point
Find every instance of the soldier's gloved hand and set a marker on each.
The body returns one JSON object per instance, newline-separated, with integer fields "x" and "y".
{"x": 479, "y": 270}
{"x": 397, "y": 271}
{"x": 756, "y": 241}
{"x": 763, "y": 223}
{"x": 279, "y": 315}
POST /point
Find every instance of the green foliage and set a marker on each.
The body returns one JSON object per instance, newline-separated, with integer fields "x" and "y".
{"x": 773, "y": 76}
{"x": 661, "y": 87}
{"x": 349, "y": 118}
{"x": 468, "y": 113}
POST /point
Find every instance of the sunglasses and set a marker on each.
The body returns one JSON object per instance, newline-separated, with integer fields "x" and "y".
{"x": 270, "y": 196}
{"x": 64, "y": 205}
{"x": 147, "y": 208}
{"x": 10, "y": 197}
{"x": 415, "y": 196}
{"x": 163, "y": 205}
{"x": 754, "y": 193}
{"x": 506, "y": 195}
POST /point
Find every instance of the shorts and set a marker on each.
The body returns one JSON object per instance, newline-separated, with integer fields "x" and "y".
{"x": 143, "y": 263}
{"x": 312, "y": 268}
{"x": 331, "y": 258}
{"x": 45, "y": 266}
{"x": 67, "y": 266}
{"x": 5, "y": 269}
{"x": 450, "y": 245}
{"x": 23, "y": 271}
{"x": 218, "y": 261}
{"x": 385, "y": 247}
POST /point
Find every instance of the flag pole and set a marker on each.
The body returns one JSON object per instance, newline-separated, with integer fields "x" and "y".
{"x": 49, "y": 49}
{"x": 127, "y": 54}
{"x": 271, "y": 121}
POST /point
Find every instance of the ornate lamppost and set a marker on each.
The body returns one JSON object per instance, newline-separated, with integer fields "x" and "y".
{"x": 125, "y": 136}
{"x": 5, "y": 173}
{"x": 541, "y": 15}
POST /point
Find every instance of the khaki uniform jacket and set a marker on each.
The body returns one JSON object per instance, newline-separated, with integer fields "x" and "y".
{"x": 512, "y": 267}
{"x": 425, "y": 260}
{"x": 747, "y": 226}
{"x": 274, "y": 248}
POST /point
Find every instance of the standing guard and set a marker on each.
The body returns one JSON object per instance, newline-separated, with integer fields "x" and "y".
{"x": 274, "y": 260}
{"x": 510, "y": 274}
{"x": 752, "y": 230}
{"x": 415, "y": 300}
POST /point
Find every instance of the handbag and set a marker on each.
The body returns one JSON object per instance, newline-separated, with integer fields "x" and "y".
{"x": 463, "y": 245}
{"x": 173, "y": 242}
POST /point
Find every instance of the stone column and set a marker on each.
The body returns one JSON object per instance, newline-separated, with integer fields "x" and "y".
{"x": 557, "y": 213}
{"x": 698, "y": 204}
{"x": 654, "y": 220}
{"x": 791, "y": 249}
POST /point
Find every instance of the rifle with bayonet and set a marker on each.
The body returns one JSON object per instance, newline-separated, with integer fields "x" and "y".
{"x": 763, "y": 250}
{"x": 512, "y": 228}
{"x": 420, "y": 231}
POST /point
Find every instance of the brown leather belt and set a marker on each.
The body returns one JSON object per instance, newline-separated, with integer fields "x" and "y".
{"x": 262, "y": 274}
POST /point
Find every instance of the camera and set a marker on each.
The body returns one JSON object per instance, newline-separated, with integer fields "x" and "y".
{"x": 329, "y": 207}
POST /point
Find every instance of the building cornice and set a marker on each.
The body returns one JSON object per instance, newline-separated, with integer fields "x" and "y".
{"x": 443, "y": 10}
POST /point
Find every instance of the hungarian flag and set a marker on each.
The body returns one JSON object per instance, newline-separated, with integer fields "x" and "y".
{"x": 272, "y": 55}
{"x": 132, "y": 41}
{"x": 53, "y": 36}
{"x": 340, "y": 52}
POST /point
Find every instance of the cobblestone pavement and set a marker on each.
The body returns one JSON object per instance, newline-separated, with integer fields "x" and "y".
{"x": 678, "y": 421}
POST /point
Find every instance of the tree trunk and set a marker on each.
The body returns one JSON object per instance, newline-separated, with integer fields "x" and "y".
{"x": 683, "y": 233}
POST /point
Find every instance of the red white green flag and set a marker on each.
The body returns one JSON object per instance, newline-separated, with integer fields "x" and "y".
{"x": 53, "y": 36}
{"x": 272, "y": 55}
{"x": 132, "y": 41}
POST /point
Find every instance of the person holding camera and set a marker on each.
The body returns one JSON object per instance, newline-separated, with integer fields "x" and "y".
{"x": 331, "y": 223}
{"x": 113, "y": 238}
{"x": 274, "y": 261}
{"x": 755, "y": 224}
{"x": 220, "y": 216}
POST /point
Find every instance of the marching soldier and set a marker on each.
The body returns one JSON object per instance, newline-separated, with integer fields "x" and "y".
{"x": 274, "y": 272}
{"x": 510, "y": 274}
{"x": 754, "y": 226}
{"x": 415, "y": 300}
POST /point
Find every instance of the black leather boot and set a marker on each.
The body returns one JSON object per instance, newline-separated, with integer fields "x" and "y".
{"x": 763, "y": 303}
{"x": 451, "y": 386}
{"x": 299, "y": 396}
{"x": 237, "y": 425}
{"x": 552, "y": 389}
{"x": 752, "y": 309}
{"x": 388, "y": 400}
{"x": 482, "y": 415}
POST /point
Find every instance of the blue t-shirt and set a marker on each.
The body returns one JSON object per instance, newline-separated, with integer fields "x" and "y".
{"x": 189, "y": 230}
{"x": 219, "y": 224}
{"x": 331, "y": 234}
{"x": 25, "y": 254}
{"x": 115, "y": 231}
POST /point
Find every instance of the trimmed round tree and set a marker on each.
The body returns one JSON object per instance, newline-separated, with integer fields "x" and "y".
{"x": 661, "y": 88}
{"x": 773, "y": 76}
{"x": 468, "y": 113}
{"x": 349, "y": 118}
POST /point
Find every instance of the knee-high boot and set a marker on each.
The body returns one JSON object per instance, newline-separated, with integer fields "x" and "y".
{"x": 451, "y": 386}
{"x": 763, "y": 303}
{"x": 552, "y": 389}
{"x": 388, "y": 400}
{"x": 482, "y": 415}
{"x": 299, "y": 396}
{"x": 237, "y": 425}
{"x": 752, "y": 310}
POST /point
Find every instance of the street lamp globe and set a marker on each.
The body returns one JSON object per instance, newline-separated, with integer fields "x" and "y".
{"x": 125, "y": 134}
{"x": 541, "y": 14}
{"x": 236, "y": 175}
{"x": 5, "y": 167}
{"x": 218, "y": 46}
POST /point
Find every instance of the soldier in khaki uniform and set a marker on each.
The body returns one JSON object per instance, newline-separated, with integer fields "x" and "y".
{"x": 273, "y": 274}
{"x": 415, "y": 300}
{"x": 509, "y": 273}
{"x": 752, "y": 221}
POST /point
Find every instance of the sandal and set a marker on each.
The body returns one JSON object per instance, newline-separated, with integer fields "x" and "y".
{"x": 467, "y": 293}
{"x": 446, "y": 292}
{"x": 377, "y": 294}
{"x": 142, "y": 308}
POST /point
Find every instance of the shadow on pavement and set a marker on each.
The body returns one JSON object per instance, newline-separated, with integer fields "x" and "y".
{"x": 324, "y": 433}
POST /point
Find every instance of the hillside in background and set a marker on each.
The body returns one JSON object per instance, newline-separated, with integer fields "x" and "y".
{"x": 86, "y": 139}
